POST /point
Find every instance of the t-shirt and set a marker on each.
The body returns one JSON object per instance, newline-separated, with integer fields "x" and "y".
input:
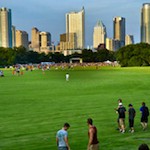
{"x": 145, "y": 111}
{"x": 121, "y": 111}
{"x": 131, "y": 113}
{"x": 61, "y": 134}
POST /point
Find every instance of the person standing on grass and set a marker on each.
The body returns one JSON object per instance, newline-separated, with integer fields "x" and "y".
{"x": 119, "y": 101}
{"x": 62, "y": 138}
{"x": 67, "y": 76}
{"x": 131, "y": 112}
{"x": 121, "y": 111}
{"x": 93, "y": 143}
{"x": 144, "y": 115}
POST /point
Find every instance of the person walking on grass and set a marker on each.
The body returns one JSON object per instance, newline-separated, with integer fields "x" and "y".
{"x": 116, "y": 109}
{"x": 67, "y": 76}
{"x": 62, "y": 138}
{"x": 132, "y": 113}
{"x": 121, "y": 112}
{"x": 93, "y": 143}
{"x": 144, "y": 115}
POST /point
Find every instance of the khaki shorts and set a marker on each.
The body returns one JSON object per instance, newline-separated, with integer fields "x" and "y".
{"x": 94, "y": 147}
{"x": 121, "y": 121}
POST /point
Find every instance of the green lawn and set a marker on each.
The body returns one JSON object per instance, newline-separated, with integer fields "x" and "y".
{"x": 34, "y": 106}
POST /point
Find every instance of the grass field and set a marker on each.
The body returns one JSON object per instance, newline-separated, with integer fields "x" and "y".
{"x": 34, "y": 106}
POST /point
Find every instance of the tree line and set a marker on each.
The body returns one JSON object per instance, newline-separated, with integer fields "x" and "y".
{"x": 131, "y": 55}
{"x": 19, "y": 55}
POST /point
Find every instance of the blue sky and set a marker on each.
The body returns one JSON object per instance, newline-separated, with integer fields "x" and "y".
{"x": 49, "y": 15}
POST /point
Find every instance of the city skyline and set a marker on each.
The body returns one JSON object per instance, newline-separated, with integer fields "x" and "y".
{"x": 50, "y": 15}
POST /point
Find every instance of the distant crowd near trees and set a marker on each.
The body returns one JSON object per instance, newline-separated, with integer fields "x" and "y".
{"x": 131, "y": 55}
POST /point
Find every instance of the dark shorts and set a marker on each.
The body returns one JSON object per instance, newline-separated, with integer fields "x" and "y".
{"x": 62, "y": 148}
{"x": 131, "y": 123}
{"x": 144, "y": 119}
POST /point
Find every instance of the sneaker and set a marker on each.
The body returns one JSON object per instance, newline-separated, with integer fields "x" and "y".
{"x": 123, "y": 131}
{"x": 132, "y": 131}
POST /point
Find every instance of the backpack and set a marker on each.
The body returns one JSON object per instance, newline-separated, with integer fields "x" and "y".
{"x": 146, "y": 111}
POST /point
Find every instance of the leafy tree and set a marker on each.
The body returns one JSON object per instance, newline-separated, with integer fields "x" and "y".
{"x": 134, "y": 55}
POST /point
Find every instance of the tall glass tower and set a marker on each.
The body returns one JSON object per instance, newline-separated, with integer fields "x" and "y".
{"x": 75, "y": 24}
{"x": 5, "y": 28}
{"x": 119, "y": 30}
{"x": 145, "y": 23}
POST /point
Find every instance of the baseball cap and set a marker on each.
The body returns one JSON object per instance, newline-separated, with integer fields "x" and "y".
{"x": 120, "y": 104}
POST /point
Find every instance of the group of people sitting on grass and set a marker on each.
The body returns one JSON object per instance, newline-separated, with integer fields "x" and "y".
{"x": 121, "y": 111}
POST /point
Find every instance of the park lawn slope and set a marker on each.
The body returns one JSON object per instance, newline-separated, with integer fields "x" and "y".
{"x": 34, "y": 106}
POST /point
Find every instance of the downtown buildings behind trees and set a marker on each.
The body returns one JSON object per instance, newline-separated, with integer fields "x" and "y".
{"x": 73, "y": 40}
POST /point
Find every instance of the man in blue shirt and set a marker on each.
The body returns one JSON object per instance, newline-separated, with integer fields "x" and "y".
{"x": 62, "y": 138}
{"x": 144, "y": 115}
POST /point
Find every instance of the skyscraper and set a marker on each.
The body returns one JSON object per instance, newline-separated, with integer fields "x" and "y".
{"x": 99, "y": 34}
{"x": 22, "y": 39}
{"x": 75, "y": 24}
{"x": 5, "y": 28}
{"x": 35, "y": 39}
{"x": 129, "y": 39}
{"x": 145, "y": 23}
{"x": 119, "y": 30}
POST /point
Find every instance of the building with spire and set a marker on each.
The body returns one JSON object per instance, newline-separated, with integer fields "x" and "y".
{"x": 99, "y": 34}
{"x": 145, "y": 23}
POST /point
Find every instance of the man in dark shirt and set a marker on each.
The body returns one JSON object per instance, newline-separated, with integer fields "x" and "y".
{"x": 121, "y": 111}
{"x": 93, "y": 143}
{"x": 132, "y": 113}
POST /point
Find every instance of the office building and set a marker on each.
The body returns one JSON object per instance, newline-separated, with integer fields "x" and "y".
{"x": 145, "y": 23}
{"x": 35, "y": 39}
{"x": 22, "y": 39}
{"x": 41, "y": 41}
{"x": 5, "y": 28}
{"x": 13, "y": 36}
{"x": 129, "y": 40}
{"x": 45, "y": 42}
{"x": 99, "y": 34}
{"x": 110, "y": 44}
{"x": 68, "y": 41}
{"x": 119, "y": 30}
{"x": 75, "y": 24}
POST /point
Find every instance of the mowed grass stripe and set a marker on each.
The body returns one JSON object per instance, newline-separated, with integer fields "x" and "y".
{"x": 34, "y": 106}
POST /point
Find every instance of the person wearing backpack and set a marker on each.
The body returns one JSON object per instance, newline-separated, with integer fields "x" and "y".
{"x": 121, "y": 112}
{"x": 144, "y": 115}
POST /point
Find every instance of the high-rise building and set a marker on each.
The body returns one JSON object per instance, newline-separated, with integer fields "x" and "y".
{"x": 109, "y": 44}
{"x": 41, "y": 41}
{"x": 129, "y": 40}
{"x": 22, "y": 39}
{"x": 13, "y": 36}
{"x": 75, "y": 24}
{"x": 45, "y": 41}
{"x": 99, "y": 34}
{"x": 145, "y": 23}
{"x": 5, "y": 28}
{"x": 119, "y": 30}
{"x": 68, "y": 43}
{"x": 35, "y": 39}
